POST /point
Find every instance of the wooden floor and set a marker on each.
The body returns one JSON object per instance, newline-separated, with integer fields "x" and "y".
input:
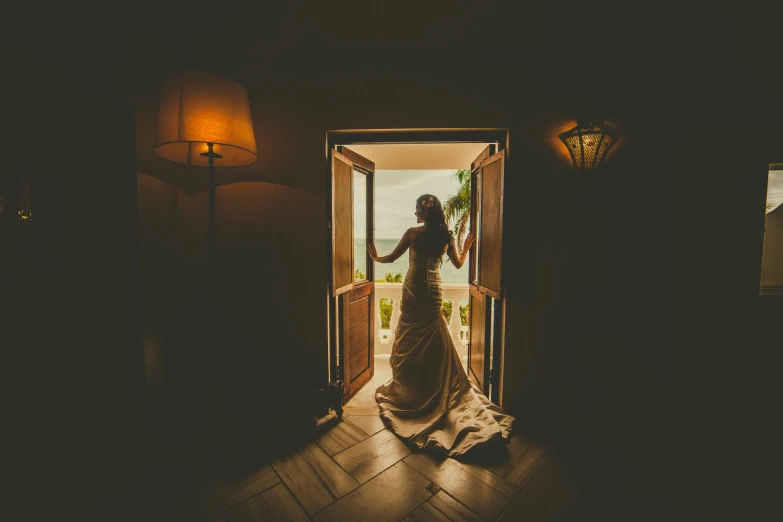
{"x": 359, "y": 470}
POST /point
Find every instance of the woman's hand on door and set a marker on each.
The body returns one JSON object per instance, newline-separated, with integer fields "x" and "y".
{"x": 372, "y": 251}
{"x": 468, "y": 242}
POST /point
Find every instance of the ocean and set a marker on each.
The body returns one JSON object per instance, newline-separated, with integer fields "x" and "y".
{"x": 449, "y": 273}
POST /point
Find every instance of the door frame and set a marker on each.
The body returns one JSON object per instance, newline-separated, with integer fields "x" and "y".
{"x": 334, "y": 138}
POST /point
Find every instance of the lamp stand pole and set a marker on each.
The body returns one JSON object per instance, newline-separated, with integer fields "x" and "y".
{"x": 213, "y": 298}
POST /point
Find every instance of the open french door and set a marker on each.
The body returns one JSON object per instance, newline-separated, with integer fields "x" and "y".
{"x": 486, "y": 217}
{"x": 352, "y": 307}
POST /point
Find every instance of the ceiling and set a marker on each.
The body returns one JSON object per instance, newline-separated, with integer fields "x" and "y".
{"x": 420, "y": 156}
{"x": 244, "y": 36}
{"x": 266, "y": 44}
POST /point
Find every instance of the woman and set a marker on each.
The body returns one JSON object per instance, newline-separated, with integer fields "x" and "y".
{"x": 429, "y": 401}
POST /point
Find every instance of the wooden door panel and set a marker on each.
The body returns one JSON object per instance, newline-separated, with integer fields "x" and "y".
{"x": 357, "y": 302}
{"x": 487, "y": 172}
{"x": 477, "y": 324}
{"x": 358, "y": 342}
{"x": 487, "y": 152}
{"x": 478, "y": 367}
{"x": 491, "y": 233}
{"x": 342, "y": 224}
{"x": 358, "y": 160}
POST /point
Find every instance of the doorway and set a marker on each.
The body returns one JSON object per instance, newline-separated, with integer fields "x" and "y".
{"x": 358, "y": 335}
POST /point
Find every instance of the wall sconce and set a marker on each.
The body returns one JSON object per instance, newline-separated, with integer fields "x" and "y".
{"x": 588, "y": 144}
{"x": 24, "y": 210}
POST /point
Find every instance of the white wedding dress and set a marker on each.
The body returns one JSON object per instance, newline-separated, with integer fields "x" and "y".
{"x": 430, "y": 401}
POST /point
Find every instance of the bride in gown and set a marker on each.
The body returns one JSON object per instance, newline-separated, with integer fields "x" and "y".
{"x": 430, "y": 401}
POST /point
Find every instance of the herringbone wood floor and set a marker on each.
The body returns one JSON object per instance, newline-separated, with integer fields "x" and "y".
{"x": 358, "y": 470}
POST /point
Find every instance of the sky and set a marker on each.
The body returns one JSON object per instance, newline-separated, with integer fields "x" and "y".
{"x": 395, "y": 199}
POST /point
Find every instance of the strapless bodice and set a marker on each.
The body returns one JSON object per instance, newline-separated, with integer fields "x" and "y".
{"x": 423, "y": 268}
{"x": 422, "y": 292}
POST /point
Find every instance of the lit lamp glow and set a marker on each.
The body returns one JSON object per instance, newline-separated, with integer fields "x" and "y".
{"x": 204, "y": 118}
{"x": 198, "y": 109}
{"x": 589, "y": 144}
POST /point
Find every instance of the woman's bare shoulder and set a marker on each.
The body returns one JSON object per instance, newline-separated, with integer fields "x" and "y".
{"x": 413, "y": 232}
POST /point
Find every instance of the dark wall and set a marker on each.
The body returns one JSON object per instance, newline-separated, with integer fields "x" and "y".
{"x": 179, "y": 361}
{"x": 724, "y": 340}
{"x": 270, "y": 331}
{"x": 70, "y": 324}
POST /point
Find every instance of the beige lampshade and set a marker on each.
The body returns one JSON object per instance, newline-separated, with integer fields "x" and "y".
{"x": 197, "y": 108}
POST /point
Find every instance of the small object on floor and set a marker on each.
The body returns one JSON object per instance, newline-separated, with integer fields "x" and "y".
{"x": 326, "y": 420}
{"x": 432, "y": 488}
{"x": 321, "y": 402}
{"x": 318, "y": 408}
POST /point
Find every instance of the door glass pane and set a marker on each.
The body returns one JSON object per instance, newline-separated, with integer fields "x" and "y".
{"x": 772, "y": 257}
{"x": 359, "y": 226}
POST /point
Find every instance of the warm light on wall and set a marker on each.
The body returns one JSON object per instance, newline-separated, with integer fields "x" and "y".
{"x": 589, "y": 143}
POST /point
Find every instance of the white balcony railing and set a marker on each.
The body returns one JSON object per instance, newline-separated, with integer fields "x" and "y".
{"x": 384, "y": 338}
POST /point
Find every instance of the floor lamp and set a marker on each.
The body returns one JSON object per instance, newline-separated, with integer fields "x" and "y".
{"x": 204, "y": 121}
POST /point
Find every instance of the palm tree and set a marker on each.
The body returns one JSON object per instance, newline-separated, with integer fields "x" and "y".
{"x": 390, "y": 278}
{"x": 457, "y": 207}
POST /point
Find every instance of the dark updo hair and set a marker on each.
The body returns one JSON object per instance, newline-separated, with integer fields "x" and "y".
{"x": 438, "y": 235}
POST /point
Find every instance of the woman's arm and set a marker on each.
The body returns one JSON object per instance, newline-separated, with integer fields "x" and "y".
{"x": 456, "y": 258}
{"x": 399, "y": 250}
